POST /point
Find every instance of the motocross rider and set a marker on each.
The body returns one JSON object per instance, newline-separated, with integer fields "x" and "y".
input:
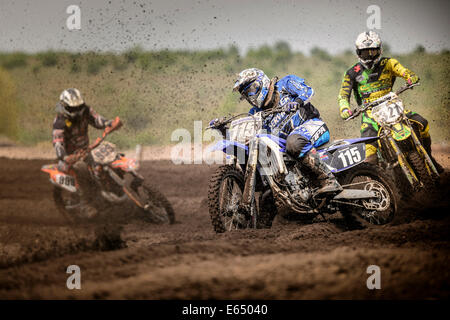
{"x": 303, "y": 129}
{"x": 371, "y": 78}
{"x": 70, "y": 133}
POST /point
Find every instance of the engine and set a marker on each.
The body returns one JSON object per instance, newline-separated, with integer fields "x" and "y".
{"x": 298, "y": 185}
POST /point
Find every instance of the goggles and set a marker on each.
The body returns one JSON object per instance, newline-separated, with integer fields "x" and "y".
{"x": 368, "y": 54}
{"x": 250, "y": 90}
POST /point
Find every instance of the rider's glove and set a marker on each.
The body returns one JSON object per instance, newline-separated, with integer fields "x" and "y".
{"x": 413, "y": 79}
{"x": 346, "y": 113}
{"x": 290, "y": 107}
{"x": 108, "y": 123}
{"x": 215, "y": 122}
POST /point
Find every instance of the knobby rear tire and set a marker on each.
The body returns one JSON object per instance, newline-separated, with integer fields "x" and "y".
{"x": 159, "y": 200}
{"x": 352, "y": 216}
{"x": 418, "y": 165}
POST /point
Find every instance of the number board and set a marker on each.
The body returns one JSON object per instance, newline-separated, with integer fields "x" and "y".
{"x": 348, "y": 156}
{"x": 104, "y": 153}
{"x": 65, "y": 181}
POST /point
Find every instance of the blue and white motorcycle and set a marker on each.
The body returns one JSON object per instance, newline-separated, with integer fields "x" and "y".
{"x": 260, "y": 180}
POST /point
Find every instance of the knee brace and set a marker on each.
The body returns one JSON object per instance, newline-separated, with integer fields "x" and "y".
{"x": 370, "y": 150}
{"x": 424, "y": 127}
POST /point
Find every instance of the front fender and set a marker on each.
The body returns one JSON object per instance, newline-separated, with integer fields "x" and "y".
{"x": 229, "y": 147}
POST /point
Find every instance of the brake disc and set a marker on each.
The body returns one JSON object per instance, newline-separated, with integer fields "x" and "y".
{"x": 382, "y": 200}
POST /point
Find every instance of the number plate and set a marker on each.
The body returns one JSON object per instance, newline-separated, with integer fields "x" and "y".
{"x": 243, "y": 129}
{"x": 388, "y": 112}
{"x": 104, "y": 153}
{"x": 349, "y": 156}
{"x": 66, "y": 181}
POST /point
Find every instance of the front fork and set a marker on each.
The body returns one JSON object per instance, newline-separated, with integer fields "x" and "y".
{"x": 405, "y": 166}
{"x": 246, "y": 206}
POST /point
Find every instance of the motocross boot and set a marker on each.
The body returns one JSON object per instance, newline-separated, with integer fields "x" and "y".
{"x": 328, "y": 182}
{"x": 426, "y": 142}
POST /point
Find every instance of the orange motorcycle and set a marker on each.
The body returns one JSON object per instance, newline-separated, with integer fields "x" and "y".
{"x": 116, "y": 178}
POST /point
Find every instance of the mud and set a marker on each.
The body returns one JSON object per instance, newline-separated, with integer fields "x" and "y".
{"x": 124, "y": 257}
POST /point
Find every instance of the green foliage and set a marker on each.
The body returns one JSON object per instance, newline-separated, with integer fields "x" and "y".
{"x": 159, "y": 91}
{"x": 48, "y": 59}
{"x": 156, "y": 61}
{"x": 133, "y": 54}
{"x": 75, "y": 67}
{"x": 8, "y": 106}
{"x": 420, "y": 49}
{"x": 262, "y": 53}
{"x": 96, "y": 63}
{"x": 322, "y": 54}
{"x": 13, "y": 60}
{"x": 75, "y": 63}
{"x": 233, "y": 51}
{"x": 119, "y": 62}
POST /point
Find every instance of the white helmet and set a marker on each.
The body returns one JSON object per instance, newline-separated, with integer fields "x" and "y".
{"x": 253, "y": 85}
{"x": 72, "y": 102}
{"x": 368, "y": 48}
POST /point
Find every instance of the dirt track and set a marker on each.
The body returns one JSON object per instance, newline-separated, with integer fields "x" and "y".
{"x": 189, "y": 261}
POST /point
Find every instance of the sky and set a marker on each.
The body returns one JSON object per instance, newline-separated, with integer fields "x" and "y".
{"x": 117, "y": 25}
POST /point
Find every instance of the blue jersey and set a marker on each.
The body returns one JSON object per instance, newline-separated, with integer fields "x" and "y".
{"x": 291, "y": 88}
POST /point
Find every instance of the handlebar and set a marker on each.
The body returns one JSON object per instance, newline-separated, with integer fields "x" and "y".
{"x": 265, "y": 113}
{"x": 387, "y": 97}
{"x": 406, "y": 87}
{"x": 224, "y": 121}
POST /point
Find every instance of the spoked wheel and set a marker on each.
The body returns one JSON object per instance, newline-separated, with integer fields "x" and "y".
{"x": 158, "y": 209}
{"x": 376, "y": 211}
{"x": 225, "y": 193}
{"x": 69, "y": 205}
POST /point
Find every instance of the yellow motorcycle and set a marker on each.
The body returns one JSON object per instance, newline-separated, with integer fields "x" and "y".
{"x": 399, "y": 148}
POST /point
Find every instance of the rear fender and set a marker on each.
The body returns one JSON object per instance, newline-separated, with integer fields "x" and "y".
{"x": 345, "y": 157}
{"x": 346, "y": 142}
